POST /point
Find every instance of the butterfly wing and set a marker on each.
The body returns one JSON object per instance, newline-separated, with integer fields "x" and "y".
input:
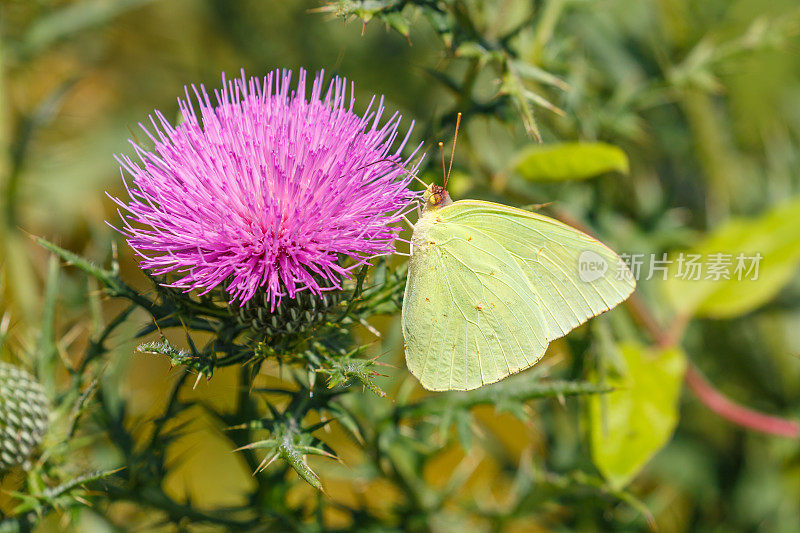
{"x": 470, "y": 316}
{"x": 574, "y": 276}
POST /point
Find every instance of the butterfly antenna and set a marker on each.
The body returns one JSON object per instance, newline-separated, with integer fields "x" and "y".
{"x": 441, "y": 155}
{"x": 453, "y": 151}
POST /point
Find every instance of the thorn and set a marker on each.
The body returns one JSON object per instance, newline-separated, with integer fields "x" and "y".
{"x": 381, "y": 363}
{"x": 200, "y": 375}
{"x": 370, "y": 327}
{"x": 155, "y": 323}
{"x": 265, "y": 463}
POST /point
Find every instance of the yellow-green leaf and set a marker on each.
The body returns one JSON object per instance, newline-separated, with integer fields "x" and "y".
{"x": 628, "y": 426}
{"x": 763, "y": 255}
{"x": 569, "y": 161}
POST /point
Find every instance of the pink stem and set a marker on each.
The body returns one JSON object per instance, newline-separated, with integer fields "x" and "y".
{"x": 699, "y": 385}
{"x": 717, "y": 402}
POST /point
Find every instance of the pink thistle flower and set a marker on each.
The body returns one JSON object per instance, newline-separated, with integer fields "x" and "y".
{"x": 266, "y": 189}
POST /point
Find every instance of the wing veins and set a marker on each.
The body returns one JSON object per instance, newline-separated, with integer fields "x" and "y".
{"x": 531, "y": 326}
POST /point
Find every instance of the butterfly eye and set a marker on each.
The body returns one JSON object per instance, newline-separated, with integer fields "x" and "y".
{"x": 434, "y": 199}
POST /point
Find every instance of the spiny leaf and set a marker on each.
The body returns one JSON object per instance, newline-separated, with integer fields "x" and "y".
{"x": 71, "y": 258}
{"x": 519, "y": 389}
{"x": 78, "y": 481}
{"x": 109, "y": 278}
{"x": 289, "y": 453}
{"x": 177, "y": 356}
{"x": 344, "y": 370}
{"x": 49, "y": 496}
{"x": 284, "y": 447}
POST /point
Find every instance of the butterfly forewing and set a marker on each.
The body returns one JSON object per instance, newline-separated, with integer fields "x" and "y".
{"x": 470, "y": 314}
{"x": 574, "y": 276}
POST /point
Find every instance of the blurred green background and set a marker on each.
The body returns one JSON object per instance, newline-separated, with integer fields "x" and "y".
{"x": 703, "y": 96}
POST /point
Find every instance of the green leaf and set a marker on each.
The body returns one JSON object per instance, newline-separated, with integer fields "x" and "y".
{"x": 774, "y": 236}
{"x": 628, "y": 426}
{"x": 569, "y": 161}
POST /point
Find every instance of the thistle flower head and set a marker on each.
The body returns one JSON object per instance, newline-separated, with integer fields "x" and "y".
{"x": 266, "y": 189}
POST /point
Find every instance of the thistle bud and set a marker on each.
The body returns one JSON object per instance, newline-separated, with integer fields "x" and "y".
{"x": 24, "y": 415}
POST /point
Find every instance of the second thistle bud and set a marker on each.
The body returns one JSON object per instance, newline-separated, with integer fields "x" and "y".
{"x": 24, "y": 415}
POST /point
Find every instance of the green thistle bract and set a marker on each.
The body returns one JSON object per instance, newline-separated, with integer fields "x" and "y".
{"x": 293, "y": 316}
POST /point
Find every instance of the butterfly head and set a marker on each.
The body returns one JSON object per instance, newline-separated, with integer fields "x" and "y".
{"x": 436, "y": 196}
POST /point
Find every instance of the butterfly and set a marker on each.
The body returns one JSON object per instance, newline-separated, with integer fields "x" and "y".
{"x": 490, "y": 286}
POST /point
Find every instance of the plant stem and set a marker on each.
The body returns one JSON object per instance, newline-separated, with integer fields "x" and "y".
{"x": 703, "y": 390}
{"x": 743, "y": 416}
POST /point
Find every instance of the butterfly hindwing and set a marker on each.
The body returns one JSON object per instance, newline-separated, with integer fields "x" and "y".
{"x": 470, "y": 316}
